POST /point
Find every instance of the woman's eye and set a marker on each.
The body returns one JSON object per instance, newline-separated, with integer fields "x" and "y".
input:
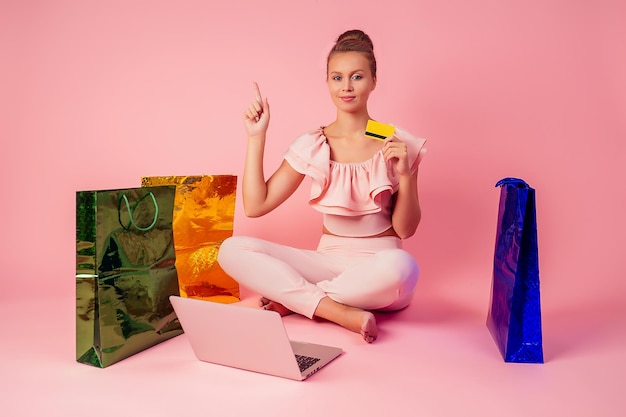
{"x": 337, "y": 78}
{"x": 356, "y": 77}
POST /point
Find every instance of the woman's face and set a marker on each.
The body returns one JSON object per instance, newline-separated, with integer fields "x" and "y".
{"x": 350, "y": 81}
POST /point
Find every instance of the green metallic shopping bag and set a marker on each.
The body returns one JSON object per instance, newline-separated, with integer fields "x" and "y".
{"x": 125, "y": 272}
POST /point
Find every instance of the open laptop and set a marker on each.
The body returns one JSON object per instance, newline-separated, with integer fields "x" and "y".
{"x": 248, "y": 338}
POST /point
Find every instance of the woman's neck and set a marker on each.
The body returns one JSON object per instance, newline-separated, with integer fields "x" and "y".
{"x": 350, "y": 124}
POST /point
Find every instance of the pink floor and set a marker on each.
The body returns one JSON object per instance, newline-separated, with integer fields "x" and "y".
{"x": 435, "y": 358}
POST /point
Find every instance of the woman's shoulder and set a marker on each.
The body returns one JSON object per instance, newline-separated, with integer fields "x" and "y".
{"x": 406, "y": 136}
{"x": 415, "y": 145}
{"x": 309, "y": 151}
{"x": 313, "y": 135}
{"x": 309, "y": 141}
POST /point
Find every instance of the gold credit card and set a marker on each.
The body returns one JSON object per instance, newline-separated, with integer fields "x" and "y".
{"x": 378, "y": 131}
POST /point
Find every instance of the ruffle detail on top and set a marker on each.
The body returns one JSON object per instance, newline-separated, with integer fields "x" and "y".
{"x": 347, "y": 189}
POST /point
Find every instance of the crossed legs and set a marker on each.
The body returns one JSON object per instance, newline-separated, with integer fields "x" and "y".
{"x": 341, "y": 282}
{"x": 352, "y": 318}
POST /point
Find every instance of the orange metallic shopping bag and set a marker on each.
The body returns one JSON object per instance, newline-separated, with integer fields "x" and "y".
{"x": 204, "y": 211}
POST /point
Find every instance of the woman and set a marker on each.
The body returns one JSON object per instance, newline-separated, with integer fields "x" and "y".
{"x": 366, "y": 190}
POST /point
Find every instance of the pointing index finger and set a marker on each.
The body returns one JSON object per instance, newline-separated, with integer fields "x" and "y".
{"x": 257, "y": 92}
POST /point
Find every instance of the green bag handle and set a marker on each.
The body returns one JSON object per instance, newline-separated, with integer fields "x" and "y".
{"x": 130, "y": 212}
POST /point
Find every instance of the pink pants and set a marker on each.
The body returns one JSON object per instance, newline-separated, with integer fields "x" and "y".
{"x": 368, "y": 273}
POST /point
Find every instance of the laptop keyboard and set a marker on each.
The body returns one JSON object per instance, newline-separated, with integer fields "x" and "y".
{"x": 305, "y": 361}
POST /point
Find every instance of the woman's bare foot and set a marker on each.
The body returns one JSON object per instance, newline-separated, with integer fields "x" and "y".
{"x": 369, "y": 329}
{"x": 352, "y": 318}
{"x": 268, "y": 304}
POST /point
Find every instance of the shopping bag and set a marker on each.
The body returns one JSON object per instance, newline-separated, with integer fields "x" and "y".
{"x": 514, "y": 318}
{"x": 125, "y": 273}
{"x": 204, "y": 211}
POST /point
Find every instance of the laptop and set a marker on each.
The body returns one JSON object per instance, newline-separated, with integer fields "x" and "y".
{"x": 248, "y": 338}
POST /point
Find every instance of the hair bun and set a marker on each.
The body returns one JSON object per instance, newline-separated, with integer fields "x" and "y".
{"x": 355, "y": 35}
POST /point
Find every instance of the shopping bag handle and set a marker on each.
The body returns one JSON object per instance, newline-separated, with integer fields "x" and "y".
{"x": 130, "y": 212}
{"x": 519, "y": 183}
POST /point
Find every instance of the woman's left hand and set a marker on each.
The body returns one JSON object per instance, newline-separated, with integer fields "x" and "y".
{"x": 395, "y": 150}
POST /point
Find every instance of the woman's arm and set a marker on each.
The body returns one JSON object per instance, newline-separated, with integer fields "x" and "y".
{"x": 406, "y": 213}
{"x": 261, "y": 196}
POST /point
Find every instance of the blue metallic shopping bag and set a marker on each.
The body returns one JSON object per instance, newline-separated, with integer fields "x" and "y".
{"x": 514, "y": 317}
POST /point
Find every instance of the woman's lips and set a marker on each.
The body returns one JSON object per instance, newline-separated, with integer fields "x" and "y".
{"x": 347, "y": 98}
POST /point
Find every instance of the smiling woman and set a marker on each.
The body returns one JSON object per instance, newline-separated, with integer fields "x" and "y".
{"x": 351, "y": 71}
{"x": 350, "y": 81}
{"x": 366, "y": 190}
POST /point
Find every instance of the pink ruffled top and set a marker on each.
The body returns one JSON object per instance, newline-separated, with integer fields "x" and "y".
{"x": 355, "y": 198}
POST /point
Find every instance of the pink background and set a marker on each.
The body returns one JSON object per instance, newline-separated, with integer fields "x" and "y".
{"x": 94, "y": 95}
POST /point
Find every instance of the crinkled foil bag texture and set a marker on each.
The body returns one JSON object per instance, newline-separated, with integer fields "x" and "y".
{"x": 124, "y": 274}
{"x": 204, "y": 211}
{"x": 514, "y": 318}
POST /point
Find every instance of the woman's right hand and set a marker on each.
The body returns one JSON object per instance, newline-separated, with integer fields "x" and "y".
{"x": 256, "y": 118}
